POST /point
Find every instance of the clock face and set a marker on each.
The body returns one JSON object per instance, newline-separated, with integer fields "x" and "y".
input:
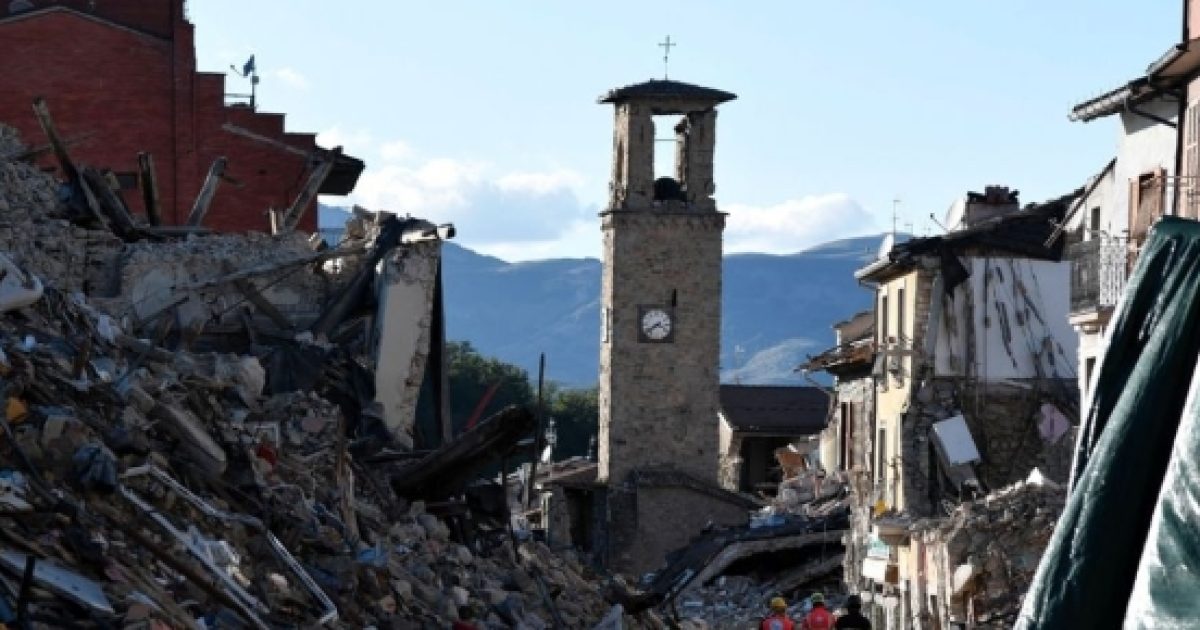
{"x": 656, "y": 324}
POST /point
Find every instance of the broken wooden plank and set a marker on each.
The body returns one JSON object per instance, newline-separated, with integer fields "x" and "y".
{"x": 91, "y": 201}
{"x": 109, "y": 204}
{"x": 444, "y": 472}
{"x": 42, "y": 111}
{"x": 207, "y": 192}
{"x": 150, "y": 351}
{"x": 148, "y": 180}
{"x": 264, "y": 306}
{"x": 315, "y": 180}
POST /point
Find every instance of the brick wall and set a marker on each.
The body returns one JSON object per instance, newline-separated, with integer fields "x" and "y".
{"x": 132, "y": 87}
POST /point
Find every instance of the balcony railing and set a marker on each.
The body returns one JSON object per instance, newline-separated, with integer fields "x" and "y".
{"x": 1097, "y": 273}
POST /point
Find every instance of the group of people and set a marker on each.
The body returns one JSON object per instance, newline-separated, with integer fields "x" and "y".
{"x": 819, "y": 618}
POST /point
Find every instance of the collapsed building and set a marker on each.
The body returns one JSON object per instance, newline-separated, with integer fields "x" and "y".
{"x": 969, "y": 363}
{"x": 129, "y": 97}
{"x": 220, "y": 430}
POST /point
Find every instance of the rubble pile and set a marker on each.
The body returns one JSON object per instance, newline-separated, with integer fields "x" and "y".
{"x": 790, "y": 548}
{"x": 806, "y": 494}
{"x": 36, "y": 233}
{"x": 990, "y": 548}
{"x": 148, "y": 486}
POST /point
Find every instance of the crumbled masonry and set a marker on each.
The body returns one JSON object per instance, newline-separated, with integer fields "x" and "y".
{"x": 158, "y": 470}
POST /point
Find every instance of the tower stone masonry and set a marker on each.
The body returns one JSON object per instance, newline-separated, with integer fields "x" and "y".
{"x": 660, "y": 340}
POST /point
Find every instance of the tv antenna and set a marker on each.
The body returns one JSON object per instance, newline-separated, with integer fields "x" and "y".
{"x": 249, "y": 70}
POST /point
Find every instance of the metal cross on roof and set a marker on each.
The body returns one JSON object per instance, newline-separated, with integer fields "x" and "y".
{"x": 666, "y": 46}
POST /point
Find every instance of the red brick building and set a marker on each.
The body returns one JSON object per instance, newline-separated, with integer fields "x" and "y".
{"x": 120, "y": 76}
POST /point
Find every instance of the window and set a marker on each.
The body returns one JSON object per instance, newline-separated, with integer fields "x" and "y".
{"x": 883, "y": 319}
{"x": 881, "y": 455}
{"x": 1094, "y": 224}
{"x": 901, "y": 331}
{"x": 848, "y": 436}
{"x": 844, "y": 435}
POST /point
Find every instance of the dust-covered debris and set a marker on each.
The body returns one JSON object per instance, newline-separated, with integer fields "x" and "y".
{"x": 201, "y": 466}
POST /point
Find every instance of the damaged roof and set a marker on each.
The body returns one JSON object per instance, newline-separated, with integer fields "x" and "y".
{"x": 843, "y": 358}
{"x": 775, "y": 410}
{"x": 1023, "y": 233}
{"x": 666, "y": 89}
{"x": 344, "y": 176}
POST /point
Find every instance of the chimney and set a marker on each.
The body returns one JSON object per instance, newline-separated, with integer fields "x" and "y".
{"x": 994, "y": 202}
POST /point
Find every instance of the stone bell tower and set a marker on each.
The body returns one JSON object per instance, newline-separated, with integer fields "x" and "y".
{"x": 661, "y": 309}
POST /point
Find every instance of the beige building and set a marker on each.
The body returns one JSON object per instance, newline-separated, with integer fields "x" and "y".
{"x": 975, "y": 386}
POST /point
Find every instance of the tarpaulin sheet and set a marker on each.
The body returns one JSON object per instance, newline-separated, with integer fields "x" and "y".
{"x": 1087, "y": 573}
{"x": 1166, "y": 593}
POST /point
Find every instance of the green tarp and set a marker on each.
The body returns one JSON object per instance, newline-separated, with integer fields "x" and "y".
{"x": 1087, "y": 574}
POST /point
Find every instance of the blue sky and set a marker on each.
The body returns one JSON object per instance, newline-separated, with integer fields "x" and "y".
{"x": 484, "y": 113}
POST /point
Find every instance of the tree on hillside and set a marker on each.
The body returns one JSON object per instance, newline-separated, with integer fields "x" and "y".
{"x": 473, "y": 375}
{"x": 576, "y": 417}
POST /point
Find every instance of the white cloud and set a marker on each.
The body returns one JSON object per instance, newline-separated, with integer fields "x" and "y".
{"x": 529, "y": 214}
{"x": 518, "y": 215}
{"x": 395, "y": 151}
{"x": 356, "y": 142}
{"x": 795, "y": 224}
{"x": 292, "y": 78}
{"x": 541, "y": 183}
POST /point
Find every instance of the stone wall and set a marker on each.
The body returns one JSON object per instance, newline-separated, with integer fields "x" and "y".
{"x": 144, "y": 285}
{"x": 1003, "y": 421}
{"x": 659, "y": 401}
{"x": 649, "y": 522}
{"x": 980, "y": 560}
{"x": 859, "y": 473}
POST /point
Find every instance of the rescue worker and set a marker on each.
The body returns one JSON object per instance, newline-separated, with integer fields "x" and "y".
{"x": 778, "y": 619}
{"x": 853, "y": 619}
{"x": 819, "y": 618}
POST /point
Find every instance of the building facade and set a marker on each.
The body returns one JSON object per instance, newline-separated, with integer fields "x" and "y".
{"x": 120, "y": 78}
{"x": 975, "y": 386}
{"x": 847, "y": 443}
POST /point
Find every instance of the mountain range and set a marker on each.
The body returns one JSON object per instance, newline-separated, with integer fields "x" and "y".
{"x": 777, "y": 309}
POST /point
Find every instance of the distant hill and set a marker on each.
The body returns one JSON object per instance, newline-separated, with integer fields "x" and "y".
{"x": 777, "y": 309}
